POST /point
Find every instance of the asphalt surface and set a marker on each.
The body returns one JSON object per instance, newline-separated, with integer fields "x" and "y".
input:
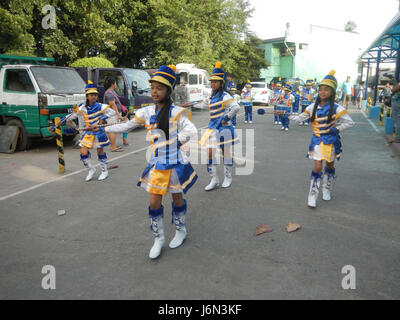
{"x": 100, "y": 247}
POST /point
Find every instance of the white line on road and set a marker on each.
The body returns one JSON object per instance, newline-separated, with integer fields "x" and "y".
{"x": 370, "y": 122}
{"x": 73, "y": 173}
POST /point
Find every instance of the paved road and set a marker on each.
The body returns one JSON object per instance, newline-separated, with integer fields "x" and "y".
{"x": 100, "y": 247}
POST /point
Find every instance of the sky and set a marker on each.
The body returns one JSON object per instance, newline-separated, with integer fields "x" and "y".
{"x": 371, "y": 16}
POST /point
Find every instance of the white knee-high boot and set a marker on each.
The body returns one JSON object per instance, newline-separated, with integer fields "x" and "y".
{"x": 103, "y": 165}
{"x": 178, "y": 217}
{"x": 228, "y": 176}
{"x": 212, "y": 170}
{"x": 157, "y": 227}
{"x": 314, "y": 186}
{"x": 327, "y": 183}
{"x": 87, "y": 162}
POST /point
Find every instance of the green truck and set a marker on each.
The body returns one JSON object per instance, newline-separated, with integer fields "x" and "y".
{"x": 33, "y": 92}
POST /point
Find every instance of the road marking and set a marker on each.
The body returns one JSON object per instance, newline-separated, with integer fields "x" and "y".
{"x": 65, "y": 176}
{"x": 74, "y": 173}
{"x": 370, "y": 122}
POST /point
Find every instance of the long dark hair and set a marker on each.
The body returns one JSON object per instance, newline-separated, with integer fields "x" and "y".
{"x": 109, "y": 82}
{"x": 331, "y": 105}
{"x": 163, "y": 116}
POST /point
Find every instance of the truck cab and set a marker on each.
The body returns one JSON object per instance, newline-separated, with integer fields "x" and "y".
{"x": 33, "y": 93}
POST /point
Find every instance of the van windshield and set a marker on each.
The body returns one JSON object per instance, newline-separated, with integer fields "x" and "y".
{"x": 58, "y": 80}
{"x": 140, "y": 76}
{"x": 258, "y": 85}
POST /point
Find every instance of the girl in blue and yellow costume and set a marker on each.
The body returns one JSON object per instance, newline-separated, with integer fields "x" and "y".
{"x": 220, "y": 132}
{"x": 246, "y": 100}
{"x": 296, "y": 95}
{"x": 275, "y": 97}
{"x": 306, "y": 98}
{"x": 285, "y": 104}
{"x": 168, "y": 127}
{"x": 328, "y": 120}
{"x": 92, "y": 113}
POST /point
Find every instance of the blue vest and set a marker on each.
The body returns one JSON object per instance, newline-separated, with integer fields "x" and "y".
{"x": 217, "y": 112}
{"x": 247, "y": 103}
{"x": 321, "y": 129}
{"x": 93, "y": 116}
{"x": 166, "y": 153}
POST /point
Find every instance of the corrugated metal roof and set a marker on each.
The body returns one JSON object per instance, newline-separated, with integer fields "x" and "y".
{"x": 389, "y": 39}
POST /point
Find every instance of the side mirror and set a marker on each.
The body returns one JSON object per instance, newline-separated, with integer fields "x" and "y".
{"x": 134, "y": 85}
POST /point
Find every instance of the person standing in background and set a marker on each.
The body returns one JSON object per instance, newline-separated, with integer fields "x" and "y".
{"x": 360, "y": 94}
{"x": 396, "y": 112}
{"x": 111, "y": 98}
{"x": 346, "y": 93}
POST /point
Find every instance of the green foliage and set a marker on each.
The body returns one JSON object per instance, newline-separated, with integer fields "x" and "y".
{"x": 95, "y": 62}
{"x": 19, "y": 53}
{"x": 137, "y": 33}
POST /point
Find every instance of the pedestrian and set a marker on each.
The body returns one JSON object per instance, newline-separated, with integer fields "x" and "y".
{"x": 387, "y": 94}
{"x": 346, "y": 92}
{"x": 220, "y": 132}
{"x": 111, "y": 98}
{"x": 360, "y": 94}
{"x": 237, "y": 99}
{"x": 246, "y": 101}
{"x": 169, "y": 128}
{"x": 306, "y": 98}
{"x": 328, "y": 120}
{"x": 396, "y": 113}
{"x": 275, "y": 97}
{"x": 285, "y": 106}
{"x": 93, "y": 113}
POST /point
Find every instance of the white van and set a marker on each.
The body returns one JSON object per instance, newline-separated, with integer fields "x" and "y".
{"x": 193, "y": 84}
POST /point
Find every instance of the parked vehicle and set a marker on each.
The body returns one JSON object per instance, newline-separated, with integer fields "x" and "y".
{"x": 133, "y": 87}
{"x": 33, "y": 93}
{"x": 192, "y": 84}
{"x": 261, "y": 93}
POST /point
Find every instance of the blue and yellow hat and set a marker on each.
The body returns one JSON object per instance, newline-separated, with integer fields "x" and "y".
{"x": 90, "y": 88}
{"x": 233, "y": 88}
{"x": 279, "y": 83}
{"x": 288, "y": 87}
{"x": 248, "y": 84}
{"x": 218, "y": 73}
{"x": 309, "y": 82}
{"x": 330, "y": 80}
{"x": 297, "y": 80}
{"x": 165, "y": 75}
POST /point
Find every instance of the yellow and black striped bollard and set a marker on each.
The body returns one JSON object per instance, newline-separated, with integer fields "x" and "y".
{"x": 60, "y": 147}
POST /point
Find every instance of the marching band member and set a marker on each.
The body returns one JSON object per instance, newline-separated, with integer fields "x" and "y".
{"x": 92, "y": 113}
{"x": 220, "y": 132}
{"x": 285, "y": 104}
{"x": 275, "y": 97}
{"x": 237, "y": 99}
{"x": 247, "y": 101}
{"x": 169, "y": 127}
{"x": 328, "y": 120}
{"x": 306, "y": 98}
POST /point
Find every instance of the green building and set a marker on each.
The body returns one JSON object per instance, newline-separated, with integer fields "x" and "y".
{"x": 312, "y": 55}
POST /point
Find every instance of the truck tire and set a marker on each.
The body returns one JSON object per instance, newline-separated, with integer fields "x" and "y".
{"x": 23, "y": 139}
